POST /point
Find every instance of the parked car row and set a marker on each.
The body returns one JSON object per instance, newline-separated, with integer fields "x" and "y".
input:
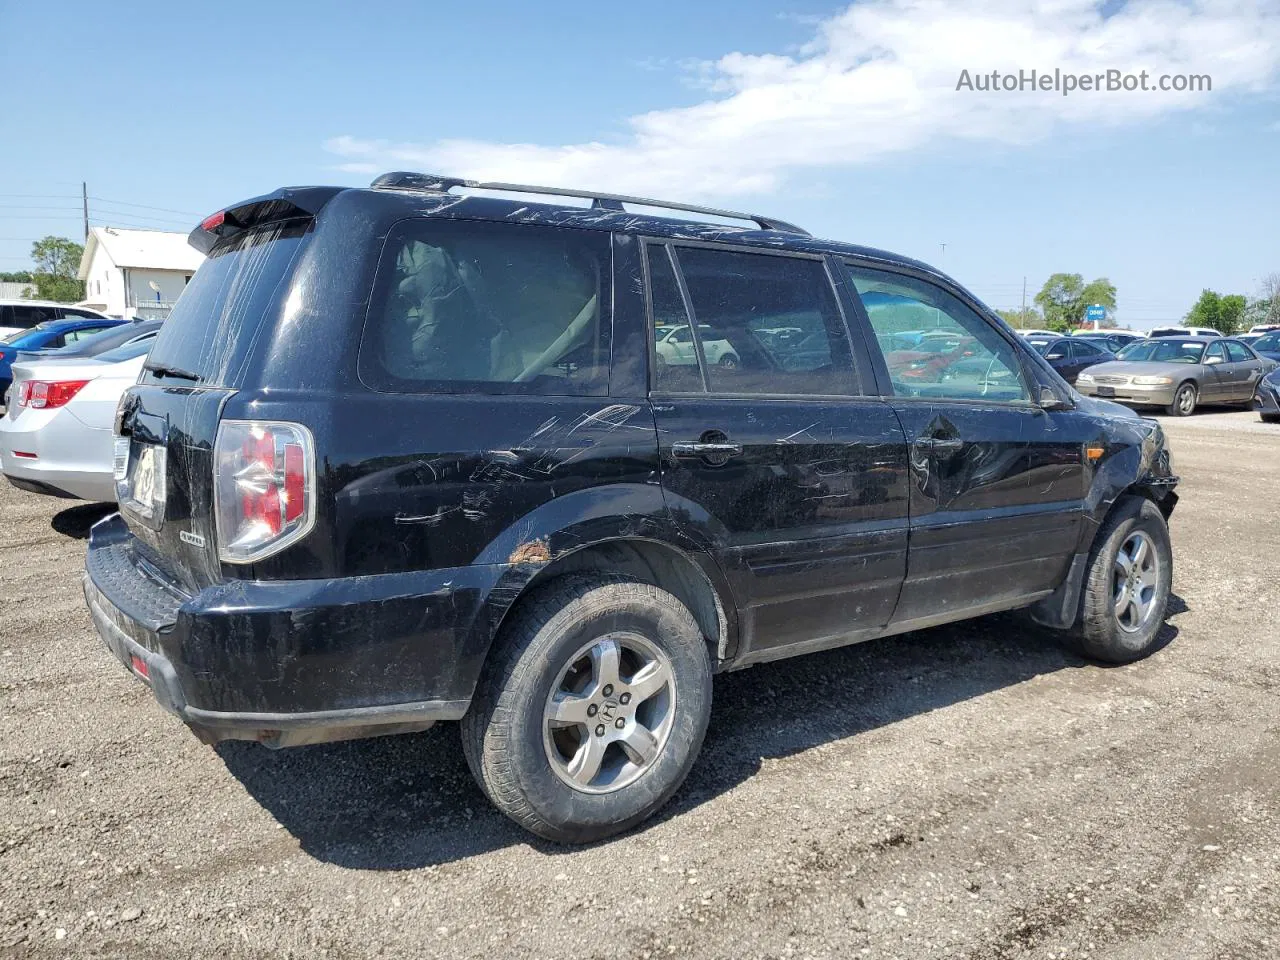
{"x": 55, "y": 435}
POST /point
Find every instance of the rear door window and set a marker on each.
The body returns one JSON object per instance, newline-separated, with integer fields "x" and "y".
{"x": 1238, "y": 352}
{"x": 466, "y": 306}
{"x": 28, "y": 317}
{"x": 767, "y": 325}
{"x": 214, "y": 323}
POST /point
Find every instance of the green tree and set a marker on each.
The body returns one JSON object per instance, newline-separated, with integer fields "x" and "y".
{"x": 15, "y": 276}
{"x": 57, "y": 262}
{"x": 1222, "y": 313}
{"x": 1064, "y": 297}
{"x": 1022, "y": 319}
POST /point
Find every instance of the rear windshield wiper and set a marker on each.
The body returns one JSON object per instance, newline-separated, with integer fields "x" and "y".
{"x": 163, "y": 370}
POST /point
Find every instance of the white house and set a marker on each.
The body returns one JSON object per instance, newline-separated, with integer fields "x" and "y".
{"x": 136, "y": 273}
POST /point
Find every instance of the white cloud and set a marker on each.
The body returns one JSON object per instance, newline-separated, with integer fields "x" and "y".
{"x": 879, "y": 79}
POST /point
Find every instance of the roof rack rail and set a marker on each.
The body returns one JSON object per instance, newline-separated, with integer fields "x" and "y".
{"x": 432, "y": 183}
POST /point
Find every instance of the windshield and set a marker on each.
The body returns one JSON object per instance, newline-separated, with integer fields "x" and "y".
{"x": 1270, "y": 342}
{"x": 1163, "y": 351}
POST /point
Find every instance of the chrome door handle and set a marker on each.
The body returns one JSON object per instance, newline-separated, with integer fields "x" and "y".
{"x": 698, "y": 448}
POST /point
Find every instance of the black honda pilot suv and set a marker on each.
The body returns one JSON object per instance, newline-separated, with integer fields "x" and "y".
{"x": 427, "y": 451}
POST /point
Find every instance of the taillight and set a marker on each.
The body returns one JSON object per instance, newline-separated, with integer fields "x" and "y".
{"x": 46, "y": 394}
{"x": 264, "y": 487}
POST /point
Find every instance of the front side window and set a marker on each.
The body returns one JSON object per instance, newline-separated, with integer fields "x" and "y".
{"x": 464, "y": 306}
{"x": 978, "y": 363}
{"x": 767, "y": 325}
{"x": 1216, "y": 351}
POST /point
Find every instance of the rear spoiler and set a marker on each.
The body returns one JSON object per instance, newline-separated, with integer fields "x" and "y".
{"x": 289, "y": 203}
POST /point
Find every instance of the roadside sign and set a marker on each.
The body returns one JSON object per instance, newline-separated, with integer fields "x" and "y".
{"x": 1095, "y": 313}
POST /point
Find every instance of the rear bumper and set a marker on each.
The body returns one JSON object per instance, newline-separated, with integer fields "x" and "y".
{"x": 293, "y": 662}
{"x": 64, "y": 457}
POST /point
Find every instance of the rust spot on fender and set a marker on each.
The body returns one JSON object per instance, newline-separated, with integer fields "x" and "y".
{"x": 535, "y": 551}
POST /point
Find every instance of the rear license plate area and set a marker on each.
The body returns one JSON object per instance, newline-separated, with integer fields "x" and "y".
{"x": 141, "y": 490}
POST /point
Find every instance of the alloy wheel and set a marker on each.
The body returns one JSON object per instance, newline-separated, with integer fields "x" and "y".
{"x": 609, "y": 713}
{"x": 1136, "y": 581}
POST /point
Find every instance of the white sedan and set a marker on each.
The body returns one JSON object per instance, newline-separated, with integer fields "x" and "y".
{"x": 56, "y": 437}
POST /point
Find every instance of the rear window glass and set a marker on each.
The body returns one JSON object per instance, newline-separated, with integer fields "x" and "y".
{"x": 127, "y": 351}
{"x": 465, "y": 306}
{"x": 212, "y": 327}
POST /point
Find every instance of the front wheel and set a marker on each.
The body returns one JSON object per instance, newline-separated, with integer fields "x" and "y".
{"x": 1127, "y": 585}
{"x": 594, "y": 709}
{"x": 1184, "y": 401}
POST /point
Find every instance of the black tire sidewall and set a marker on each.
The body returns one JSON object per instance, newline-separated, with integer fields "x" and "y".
{"x": 1102, "y": 636}
{"x": 572, "y": 813}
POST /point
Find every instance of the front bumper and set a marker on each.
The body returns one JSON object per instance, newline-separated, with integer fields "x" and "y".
{"x": 1266, "y": 399}
{"x": 1159, "y": 395}
{"x": 293, "y": 662}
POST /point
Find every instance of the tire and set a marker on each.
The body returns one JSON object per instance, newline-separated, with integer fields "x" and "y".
{"x": 1101, "y": 633}
{"x": 1269, "y": 417}
{"x": 1183, "y": 405}
{"x": 523, "y": 760}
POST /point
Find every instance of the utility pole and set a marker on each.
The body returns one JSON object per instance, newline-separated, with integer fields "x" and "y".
{"x": 1022, "y": 316}
{"x": 84, "y": 198}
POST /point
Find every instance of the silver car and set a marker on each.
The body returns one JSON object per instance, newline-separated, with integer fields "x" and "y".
{"x": 1178, "y": 373}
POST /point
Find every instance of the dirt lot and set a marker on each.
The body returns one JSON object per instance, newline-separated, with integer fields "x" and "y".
{"x": 965, "y": 792}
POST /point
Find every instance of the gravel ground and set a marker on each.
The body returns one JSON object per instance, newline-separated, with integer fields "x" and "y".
{"x": 969, "y": 791}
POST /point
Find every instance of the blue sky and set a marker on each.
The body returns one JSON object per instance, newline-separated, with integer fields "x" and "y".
{"x": 843, "y": 119}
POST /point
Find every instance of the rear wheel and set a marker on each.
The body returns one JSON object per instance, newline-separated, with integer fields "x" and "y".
{"x": 594, "y": 709}
{"x": 1184, "y": 401}
{"x": 1270, "y": 417}
{"x": 1127, "y": 586}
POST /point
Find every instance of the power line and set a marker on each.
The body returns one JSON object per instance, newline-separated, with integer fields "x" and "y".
{"x": 143, "y": 206}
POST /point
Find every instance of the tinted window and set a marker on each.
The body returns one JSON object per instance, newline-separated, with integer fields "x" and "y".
{"x": 1238, "y": 352}
{"x": 27, "y": 317}
{"x": 774, "y": 324}
{"x": 75, "y": 336}
{"x": 1083, "y": 348}
{"x": 982, "y": 365}
{"x": 675, "y": 363}
{"x": 1269, "y": 342}
{"x": 128, "y": 351}
{"x": 499, "y": 308}
{"x": 212, "y": 326}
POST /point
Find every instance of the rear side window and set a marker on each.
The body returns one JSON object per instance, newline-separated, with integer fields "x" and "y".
{"x": 467, "y": 306}
{"x": 212, "y": 328}
{"x": 766, "y": 325}
{"x": 1238, "y": 352}
{"x": 28, "y": 317}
